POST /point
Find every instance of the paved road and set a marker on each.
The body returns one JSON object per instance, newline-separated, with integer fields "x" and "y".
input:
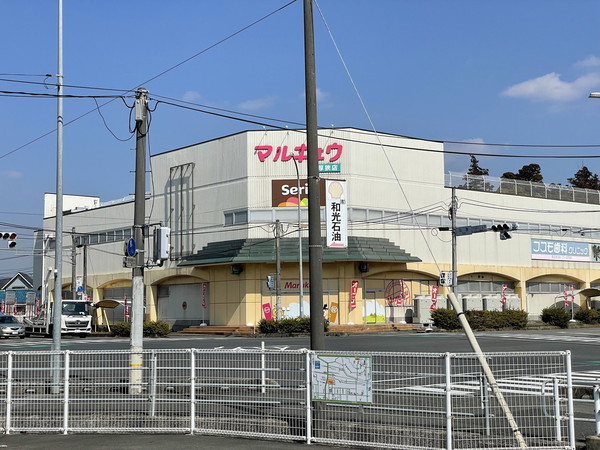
{"x": 584, "y": 343}
{"x": 142, "y": 442}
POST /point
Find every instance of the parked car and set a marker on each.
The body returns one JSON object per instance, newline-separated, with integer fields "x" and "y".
{"x": 11, "y": 327}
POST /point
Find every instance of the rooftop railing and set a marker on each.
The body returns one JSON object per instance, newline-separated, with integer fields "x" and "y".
{"x": 522, "y": 188}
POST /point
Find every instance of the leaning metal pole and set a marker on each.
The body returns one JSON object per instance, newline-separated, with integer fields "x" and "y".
{"x": 315, "y": 245}
{"x": 487, "y": 371}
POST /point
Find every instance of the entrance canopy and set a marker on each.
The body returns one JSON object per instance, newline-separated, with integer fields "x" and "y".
{"x": 589, "y": 292}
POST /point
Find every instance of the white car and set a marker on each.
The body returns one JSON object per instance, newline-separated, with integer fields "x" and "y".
{"x": 11, "y": 327}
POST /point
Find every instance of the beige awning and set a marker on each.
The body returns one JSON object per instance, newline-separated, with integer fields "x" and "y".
{"x": 107, "y": 303}
{"x": 589, "y": 292}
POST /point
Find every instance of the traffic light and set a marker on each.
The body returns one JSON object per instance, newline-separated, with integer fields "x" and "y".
{"x": 270, "y": 282}
{"x": 504, "y": 230}
{"x": 11, "y": 237}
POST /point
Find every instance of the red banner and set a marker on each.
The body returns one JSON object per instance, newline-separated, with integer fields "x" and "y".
{"x": 353, "y": 292}
{"x": 204, "y": 295}
{"x": 267, "y": 311}
{"x": 503, "y": 298}
{"x": 434, "y": 297}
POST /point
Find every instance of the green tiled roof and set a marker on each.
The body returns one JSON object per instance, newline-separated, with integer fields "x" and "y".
{"x": 263, "y": 250}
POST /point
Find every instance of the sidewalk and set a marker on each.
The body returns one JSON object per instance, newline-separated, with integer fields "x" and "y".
{"x": 142, "y": 442}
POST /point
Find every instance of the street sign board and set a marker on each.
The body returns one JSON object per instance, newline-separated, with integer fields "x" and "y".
{"x": 131, "y": 247}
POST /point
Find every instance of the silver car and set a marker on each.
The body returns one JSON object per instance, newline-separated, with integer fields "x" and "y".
{"x": 11, "y": 327}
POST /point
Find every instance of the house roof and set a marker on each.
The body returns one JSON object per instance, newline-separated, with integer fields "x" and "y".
{"x": 263, "y": 250}
{"x": 6, "y": 283}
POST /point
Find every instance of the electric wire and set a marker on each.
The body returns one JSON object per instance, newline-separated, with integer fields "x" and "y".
{"x": 210, "y": 47}
{"x": 367, "y": 114}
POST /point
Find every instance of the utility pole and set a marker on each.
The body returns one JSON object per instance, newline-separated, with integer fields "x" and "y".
{"x": 57, "y": 300}
{"x": 139, "y": 220}
{"x": 315, "y": 244}
{"x": 73, "y": 265}
{"x": 278, "y": 269}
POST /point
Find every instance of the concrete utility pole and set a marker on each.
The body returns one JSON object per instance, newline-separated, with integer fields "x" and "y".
{"x": 315, "y": 245}
{"x": 139, "y": 221}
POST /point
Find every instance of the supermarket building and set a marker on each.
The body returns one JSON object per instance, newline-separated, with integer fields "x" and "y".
{"x": 222, "y": 200}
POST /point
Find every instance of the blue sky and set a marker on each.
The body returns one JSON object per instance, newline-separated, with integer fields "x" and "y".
{"x": 494, "y": 71}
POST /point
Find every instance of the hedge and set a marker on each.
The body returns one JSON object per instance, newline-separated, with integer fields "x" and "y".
{"x": 557, "y": 317}
{"x": 151, "y": 329}
{"x": 447, "y": 319}
{"x": 287, "y": 326}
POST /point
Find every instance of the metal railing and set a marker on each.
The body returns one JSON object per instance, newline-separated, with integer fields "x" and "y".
{"x": 374, "y": 399}
{"x": 523, "y": 188}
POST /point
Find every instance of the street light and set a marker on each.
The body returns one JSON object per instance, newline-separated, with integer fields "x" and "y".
{"x": 299, "y": 242}
{"x": 594, "y": 95}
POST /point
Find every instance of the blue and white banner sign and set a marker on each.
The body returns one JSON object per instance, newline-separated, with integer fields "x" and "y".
{"x": 560, "y": 250}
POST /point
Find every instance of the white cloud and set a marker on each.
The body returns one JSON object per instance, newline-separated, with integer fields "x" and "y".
{"x": 322, "y": 95}
{"x": 550, "y": 87}
{"x": 191, "y": 96}
{"x": 257, "y": 104}
{"x": 590, "y": 61}
{"x": 13, "y": 174}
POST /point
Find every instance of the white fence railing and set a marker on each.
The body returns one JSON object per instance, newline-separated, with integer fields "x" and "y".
{"x": 380, "y": 400}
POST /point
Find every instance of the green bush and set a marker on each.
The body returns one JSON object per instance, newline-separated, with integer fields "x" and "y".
{"x": 122, "y": 329}
{"x": 267, "y": 326}
{"x": 514, "y": 318}
{"x": 446, "y": 319}
{"x": 286, "y": 326}
{"x": 158, "y": 328}
{"x": 477, "y": 319}
{"x": 480, "y": 320}
{"x": 289, "y": 326}
{"x": 557, "y": 317}
{"x": 588, "y": 316}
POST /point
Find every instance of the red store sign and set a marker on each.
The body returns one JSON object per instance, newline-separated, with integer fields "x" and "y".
{"x": 333, "y": 152}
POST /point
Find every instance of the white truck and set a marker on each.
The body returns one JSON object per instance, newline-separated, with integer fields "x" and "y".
{"x": 75, "y": 320}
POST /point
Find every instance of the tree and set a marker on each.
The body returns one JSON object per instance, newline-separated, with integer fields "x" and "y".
{"x": 585, "y": 179}
{"x": 475, "y": 169}
{"x": 474, "y": 178}
{"x": 529, "y": 172}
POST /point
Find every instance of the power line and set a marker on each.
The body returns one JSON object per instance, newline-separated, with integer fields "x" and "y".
{"x": 379, "y": 144}
{"x": 210, "y": 47}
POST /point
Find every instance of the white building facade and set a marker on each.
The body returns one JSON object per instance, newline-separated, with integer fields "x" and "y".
{"x": 222, "y": 199}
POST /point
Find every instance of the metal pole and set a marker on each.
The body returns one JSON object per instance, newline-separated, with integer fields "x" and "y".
{"x": 85, "y": 246}
{"x": 300, "y": 275}
{"x": 278, "y": 270}
{"x": 73, "y": 265}
{"x": 315, "y": 245}
{"x": 448, "y": 369}
{"x": 487, "y": 371}
{"x": 137, "y": 300}
{"x": 453, "y": 209}
{"x": 57, "y": 300}
{"x": 56, "y": 314}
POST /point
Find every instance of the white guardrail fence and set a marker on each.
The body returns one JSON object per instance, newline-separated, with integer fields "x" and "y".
{"x": 374, "y": 400}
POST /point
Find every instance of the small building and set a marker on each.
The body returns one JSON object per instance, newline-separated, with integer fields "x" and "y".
{"x": 17, "y": 295}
